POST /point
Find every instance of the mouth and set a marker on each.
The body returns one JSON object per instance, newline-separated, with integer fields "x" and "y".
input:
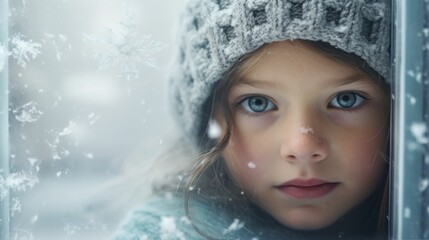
{"x": 307, "y": 188}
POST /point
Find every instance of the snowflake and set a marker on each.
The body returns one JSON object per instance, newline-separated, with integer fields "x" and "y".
{"x": 235, "y": 226}
{"x": 59, "y": 43}
{"x": 125, "y": 50}
{"x": 420, "y": 131}
{"x": 24, "y": 49}
{"x": 27, "y": 113}
{"x": 19, "y": 181}
{"x": 251, "y": 164}
{"x": 22, "y": 234}
{"x": 15, "y": 207}
{"x": 57, "y": 140}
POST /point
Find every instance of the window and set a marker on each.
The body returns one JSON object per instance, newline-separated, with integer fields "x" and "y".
{"x": 409, "y": 199}
{"x": 81, "y": 92}
{"x": 81, "y": 97}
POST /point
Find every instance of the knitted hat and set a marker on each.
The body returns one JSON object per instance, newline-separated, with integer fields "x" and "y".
{"x": 214, "y": 34}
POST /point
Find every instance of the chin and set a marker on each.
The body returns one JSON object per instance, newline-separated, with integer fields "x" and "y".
{"x": 309, "y": 223}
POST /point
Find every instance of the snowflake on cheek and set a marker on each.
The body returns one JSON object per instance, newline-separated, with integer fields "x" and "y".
{"x": 124, "y": 50}
{"x": 24, "y": 49}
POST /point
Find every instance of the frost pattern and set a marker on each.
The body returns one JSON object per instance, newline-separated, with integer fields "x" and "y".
{"x": 125, "y": 50}
{"x": 168, "y": 229}
{"x": 71, "y": 228}
{"x": 55, "y": 144}
{"x": 27, "y": 113}
{"x": 24, "y": 49}
{"x": 15, "y": 206}
{"x": 235, "y": 226}
{"x": 16, "y": 182}
{"x": 22, "y": 234}
{"x": 59, "y": 43}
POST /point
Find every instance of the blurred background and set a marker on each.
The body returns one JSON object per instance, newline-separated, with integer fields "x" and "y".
{"x": 88, "y": 111}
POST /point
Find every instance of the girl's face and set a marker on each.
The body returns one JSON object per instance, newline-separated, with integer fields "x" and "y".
{"x": 307, "y": 135}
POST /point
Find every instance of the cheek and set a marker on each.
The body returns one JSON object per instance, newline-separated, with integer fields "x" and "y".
{"x": 247, "y": 158}
{"x": 363, "y": 161}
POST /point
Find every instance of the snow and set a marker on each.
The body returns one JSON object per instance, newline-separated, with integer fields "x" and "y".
{"x": 16, "y": 182}
{"x": 59, "y": 43}
{"x": 125, "y": 50}
{"x": 27, "y": 113}
{"x": 423, "y": 185}
{"x": 24, "y": 49}
{"x": 251, "y": 165}
{"x": 407, "y": 212}
{"x": 169, "y": 230}
{"x": 235, "y": 226}
{"x": 419, "y": 131}
{"x": 306, "y": 130}
{"x": 214, "y": 130}
{"x": 56, "y": 155}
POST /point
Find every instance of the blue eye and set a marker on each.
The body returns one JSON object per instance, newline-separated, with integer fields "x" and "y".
{"x": 347, "y": 100}
{"x": 257, "y": 104}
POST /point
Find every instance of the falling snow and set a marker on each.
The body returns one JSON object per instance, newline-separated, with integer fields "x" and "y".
{"x": 407, "y": 212}
{"x": 423, "y": 185}
{"x": 24, "y": 49}
{"x": 251, "y": 165}
{"x": 412, "y": 99}
{"x": 93, "y": 118}
{"x": 235, "y": 225}
{"x": 125, "y": 50}
{"x": 27, "y": 113}
{"x": 419, "y": 131}
{"x": 416, "y": 74}
{"x": 214, "y": 130}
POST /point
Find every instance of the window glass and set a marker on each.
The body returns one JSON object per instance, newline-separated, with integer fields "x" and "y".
{"x": 86, "y": 102}
{"x": 410, "y": 179}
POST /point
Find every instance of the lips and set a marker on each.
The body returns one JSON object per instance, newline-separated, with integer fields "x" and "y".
{"x": 307, "y": 188}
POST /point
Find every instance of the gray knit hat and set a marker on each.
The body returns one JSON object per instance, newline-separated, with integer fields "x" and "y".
{"x": 214, "y": 34}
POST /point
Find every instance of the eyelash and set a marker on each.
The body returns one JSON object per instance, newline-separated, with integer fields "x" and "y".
{"x": 360, "y": 97}
{"x": 270, "y": 104}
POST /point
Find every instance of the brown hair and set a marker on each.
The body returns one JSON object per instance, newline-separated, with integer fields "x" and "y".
{"x": 210, "y": 170}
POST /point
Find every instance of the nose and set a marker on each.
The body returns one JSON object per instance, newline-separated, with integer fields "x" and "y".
{"x": 303, "y": 145}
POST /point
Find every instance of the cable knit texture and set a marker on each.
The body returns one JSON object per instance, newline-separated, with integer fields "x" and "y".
{"x": 214, "y": 34}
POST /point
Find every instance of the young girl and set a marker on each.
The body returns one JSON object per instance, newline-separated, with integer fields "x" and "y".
{"x": 287, "y": 104}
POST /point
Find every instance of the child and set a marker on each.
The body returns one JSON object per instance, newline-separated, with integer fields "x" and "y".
{"x": 287, "y": 103}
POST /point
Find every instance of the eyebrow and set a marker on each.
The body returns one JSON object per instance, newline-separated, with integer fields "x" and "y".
{"x": 349, "y": 80}
{"x": 257, "y": 83}
{"x": 334, "y": 83}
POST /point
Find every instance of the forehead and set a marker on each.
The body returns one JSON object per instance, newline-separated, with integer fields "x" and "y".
{"x": 295, "y": 60}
